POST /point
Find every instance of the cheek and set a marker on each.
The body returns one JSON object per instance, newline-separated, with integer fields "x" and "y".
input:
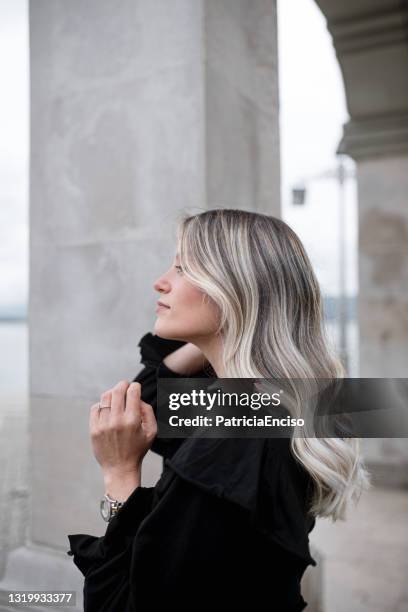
{"x": 199, "y": 308}
{"x": 193, "y": 299}
{"x": 203, "y": 307}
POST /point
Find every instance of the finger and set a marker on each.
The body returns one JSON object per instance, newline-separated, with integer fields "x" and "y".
{"x": 106, "y": 400}
{"x": 93, "y": 416}
{"x": 133, "y": 400}
{"x": 149, "y": 422}
{"x": 119, "y": 398}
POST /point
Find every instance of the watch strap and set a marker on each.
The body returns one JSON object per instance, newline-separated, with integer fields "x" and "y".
{"x": 114, "y": 506}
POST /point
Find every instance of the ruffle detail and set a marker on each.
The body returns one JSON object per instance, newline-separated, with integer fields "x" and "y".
{"x": 86, "y": 550}
{"x": 260, "y": 475}
{"x": 90, "y": 551}
{"x": 154, "y": 349}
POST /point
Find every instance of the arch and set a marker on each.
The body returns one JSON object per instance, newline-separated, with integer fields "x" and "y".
{"x": 371, "y": 42}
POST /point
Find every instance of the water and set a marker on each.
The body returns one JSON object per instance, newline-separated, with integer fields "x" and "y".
{"x": 13, "y": 358}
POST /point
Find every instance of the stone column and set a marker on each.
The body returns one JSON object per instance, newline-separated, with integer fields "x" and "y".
{"x": 371, "y": 42}
{"x": 139, "y": 110}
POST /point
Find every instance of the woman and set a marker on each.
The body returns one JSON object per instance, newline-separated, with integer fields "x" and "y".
{"x": 228, "y": 521}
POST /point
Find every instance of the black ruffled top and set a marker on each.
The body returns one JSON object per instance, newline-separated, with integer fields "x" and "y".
{"x": 226, "y": 523}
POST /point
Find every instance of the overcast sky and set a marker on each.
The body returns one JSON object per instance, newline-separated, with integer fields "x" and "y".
{"x": 13, "y": 151}
{"x": 312, "y": 111}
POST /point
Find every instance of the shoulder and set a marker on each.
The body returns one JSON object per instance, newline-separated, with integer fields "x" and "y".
{"x": 259, "y": 475}
{"x": 228, "y": 468}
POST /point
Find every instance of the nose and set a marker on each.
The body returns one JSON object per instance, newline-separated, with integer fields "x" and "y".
{"x": 162, "y": 285}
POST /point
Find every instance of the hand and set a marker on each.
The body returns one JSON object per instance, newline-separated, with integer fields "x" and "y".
{"x": 122, "y": 434}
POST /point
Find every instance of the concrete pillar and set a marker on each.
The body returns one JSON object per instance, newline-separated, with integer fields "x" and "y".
{"x": 139, "y": 110}
{"x": 383, "y": 299}
{"x": 371, "y": 42}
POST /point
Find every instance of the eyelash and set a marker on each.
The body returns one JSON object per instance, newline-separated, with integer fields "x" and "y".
{"x": 179, "y": 268}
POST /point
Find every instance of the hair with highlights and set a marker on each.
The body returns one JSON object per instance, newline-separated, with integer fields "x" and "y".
{"x": 256, "y": 270}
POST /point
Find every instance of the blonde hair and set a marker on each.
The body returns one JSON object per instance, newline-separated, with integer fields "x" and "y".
{"x": 255, "y": 268}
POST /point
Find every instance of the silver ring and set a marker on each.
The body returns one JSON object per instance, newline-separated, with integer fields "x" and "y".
{"x": 100, "y": 407}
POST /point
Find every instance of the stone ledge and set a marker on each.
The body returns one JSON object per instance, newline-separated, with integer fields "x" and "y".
{"x": 375, "y": 136}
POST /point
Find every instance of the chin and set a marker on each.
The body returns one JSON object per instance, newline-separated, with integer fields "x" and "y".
{"x": 167, "y": 333}
{"x": 164, "y": 331}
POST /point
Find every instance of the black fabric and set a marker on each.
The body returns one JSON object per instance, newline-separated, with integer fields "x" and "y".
{"x": 153, "y": 350}
{"x": 226, "y": 524}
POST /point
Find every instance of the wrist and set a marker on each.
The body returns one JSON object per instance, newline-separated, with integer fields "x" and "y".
{"x": 119, "y": 485}
{"x": 188, "y": 359}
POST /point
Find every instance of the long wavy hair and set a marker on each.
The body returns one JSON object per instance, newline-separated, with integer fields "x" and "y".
{"x": 255, "y": 268}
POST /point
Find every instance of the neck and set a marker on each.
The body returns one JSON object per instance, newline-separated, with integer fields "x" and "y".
{"x": 211, "y": 347}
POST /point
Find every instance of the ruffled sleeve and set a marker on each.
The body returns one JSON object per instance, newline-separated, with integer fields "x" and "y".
{"x": 240, "y": 503}
{"x": 260, "y": 474}
{"x": 153, "y": 350}
{"x": 225, "y": 511}
{"x": 90, "y": 551}
{"x": 197, "y": 540}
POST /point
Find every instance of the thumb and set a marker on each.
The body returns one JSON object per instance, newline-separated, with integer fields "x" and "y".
{"x": 149, "y": 422}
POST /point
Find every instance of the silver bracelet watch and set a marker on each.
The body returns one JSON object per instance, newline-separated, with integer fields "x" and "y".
{"x": 109, "y": 507}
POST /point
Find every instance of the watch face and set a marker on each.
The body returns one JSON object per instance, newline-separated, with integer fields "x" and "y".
{"x": 105, "y": 509}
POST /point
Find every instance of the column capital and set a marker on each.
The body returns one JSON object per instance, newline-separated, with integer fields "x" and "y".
{"x": 371, "y": 42}
{"x": 381, "y": 135}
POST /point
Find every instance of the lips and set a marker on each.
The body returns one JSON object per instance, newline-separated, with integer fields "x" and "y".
{"x": 163, "y": 305}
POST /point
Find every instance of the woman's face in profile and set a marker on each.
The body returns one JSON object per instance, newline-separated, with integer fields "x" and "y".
{"x": 188, "y": 312}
